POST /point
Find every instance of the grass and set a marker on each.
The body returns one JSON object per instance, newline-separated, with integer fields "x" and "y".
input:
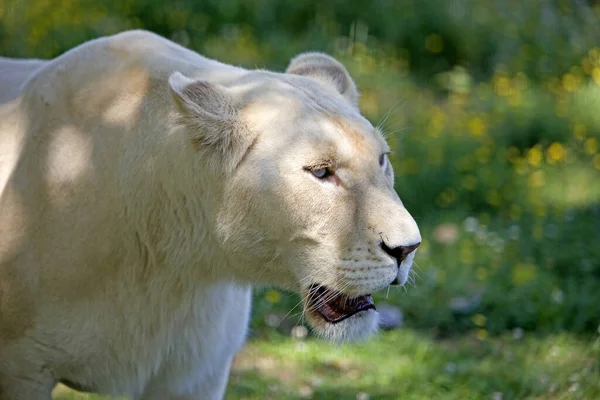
{"x": 408, "y": 364}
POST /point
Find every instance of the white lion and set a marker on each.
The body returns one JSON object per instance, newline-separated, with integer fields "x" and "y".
{"x": 144, "y": 188}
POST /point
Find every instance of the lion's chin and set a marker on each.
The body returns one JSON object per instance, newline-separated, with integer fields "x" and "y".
{"x": 357, "y": 327}
{"x": 340, "y": 317}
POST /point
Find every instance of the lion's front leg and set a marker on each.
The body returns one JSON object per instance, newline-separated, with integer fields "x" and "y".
{"x": 197, "y": 385}
{"x": 200, "y": 354}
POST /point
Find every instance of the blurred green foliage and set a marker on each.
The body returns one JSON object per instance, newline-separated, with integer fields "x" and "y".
{"x": 492, "y": 106}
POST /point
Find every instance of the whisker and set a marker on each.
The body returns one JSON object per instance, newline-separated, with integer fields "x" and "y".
{"x": 329, "y": 297}
{"x": 263, "y": 269}
{"x": 289, "y": 312}
{"x": 393, "y": 109}
{"x": 415, "y": 273}
{"x": 395, "y": 131}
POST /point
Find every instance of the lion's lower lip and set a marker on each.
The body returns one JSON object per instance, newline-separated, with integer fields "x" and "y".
{"x": 334, "y": 306}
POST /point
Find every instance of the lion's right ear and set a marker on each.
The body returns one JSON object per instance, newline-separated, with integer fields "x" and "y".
{"x": 327, "y": 70}
{"x": 208, "y": 110}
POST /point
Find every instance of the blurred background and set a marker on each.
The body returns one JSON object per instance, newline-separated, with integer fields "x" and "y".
{"x": 492, "y": 108}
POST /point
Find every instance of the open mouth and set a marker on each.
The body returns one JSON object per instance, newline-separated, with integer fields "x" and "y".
{"x": 334, "y": 306}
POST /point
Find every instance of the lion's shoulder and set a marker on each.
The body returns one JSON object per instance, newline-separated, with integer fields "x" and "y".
{"x": 108, "y": 55}
{"x": 117, "y": 59}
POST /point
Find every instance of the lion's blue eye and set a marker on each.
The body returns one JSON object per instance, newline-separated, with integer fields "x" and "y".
{"x": 321, "y": 173}
{"x": 382, "y": 160}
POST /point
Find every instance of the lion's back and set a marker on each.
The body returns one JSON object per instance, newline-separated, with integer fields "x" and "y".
{"x": 13, "y": 74}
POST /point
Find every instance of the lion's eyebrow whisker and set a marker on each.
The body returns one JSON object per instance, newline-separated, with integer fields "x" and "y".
{"x": 392, "y": 110}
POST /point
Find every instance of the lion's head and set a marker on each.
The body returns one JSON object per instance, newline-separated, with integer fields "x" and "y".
{"x": 308, "y": 200}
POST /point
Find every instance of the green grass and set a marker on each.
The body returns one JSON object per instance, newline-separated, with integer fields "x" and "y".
{"x": 407, "y": 364}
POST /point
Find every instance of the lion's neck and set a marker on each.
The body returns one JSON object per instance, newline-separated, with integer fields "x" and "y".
{"x": 174, "y": 226}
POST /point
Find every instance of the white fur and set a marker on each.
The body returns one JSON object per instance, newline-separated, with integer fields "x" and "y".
{"x": 144, "y": 188}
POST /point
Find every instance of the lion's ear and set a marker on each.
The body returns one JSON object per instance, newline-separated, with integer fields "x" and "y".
{"x": 207, "y": 107}
{"x": 326, "y": 69}
{"x": 201, "y": 98}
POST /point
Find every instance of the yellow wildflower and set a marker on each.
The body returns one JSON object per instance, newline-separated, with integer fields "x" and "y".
{"x": 579, "y": 131}
{"x": 514, "y": 99}
{"x": 596, "y": 75}
{"x": 273, "y": 296}
{"x": 523, "y": 273}
{"x": 477, "y": 127}
{"x": 569, "y": 82}
{"x": 436, "y": 123}
{"x": 479, "y": 320}
{"x": 556, "y": 152}
{"x": 534, "y": 156}
{"x": 481, "y": 334}
{"x": 591, "y": 146}
{"x": 502, "y": 86}
{"x": 521, "y": 167}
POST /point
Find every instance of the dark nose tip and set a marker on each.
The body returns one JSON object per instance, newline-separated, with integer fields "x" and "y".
{"x": 399, "y": 253}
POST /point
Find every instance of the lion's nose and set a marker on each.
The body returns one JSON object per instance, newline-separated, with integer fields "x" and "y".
{"x": 399, "y": 253}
